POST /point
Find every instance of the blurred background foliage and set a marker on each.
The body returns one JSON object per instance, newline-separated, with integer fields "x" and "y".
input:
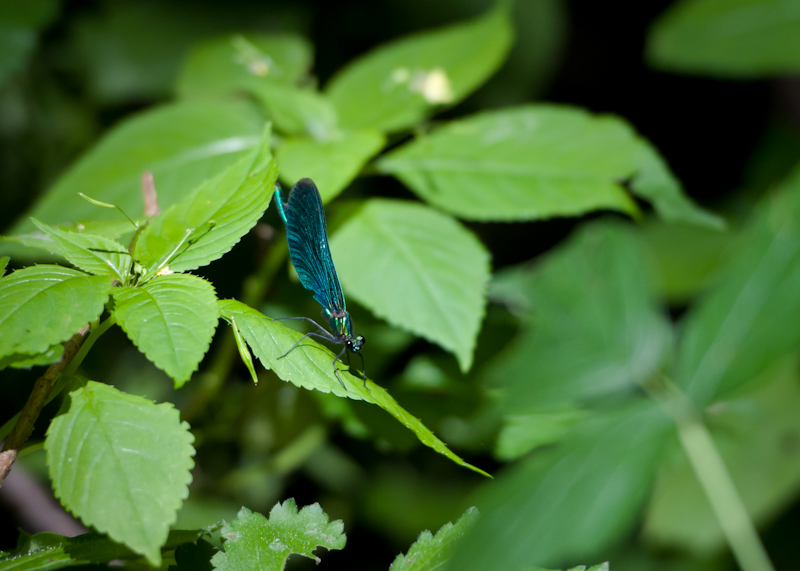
{"x": 583, "y": 311}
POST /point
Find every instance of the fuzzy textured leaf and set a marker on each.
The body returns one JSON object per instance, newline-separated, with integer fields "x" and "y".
{"x": 122, "y": 464}
{"x": 209, "y": 222}
{"x": 538, "y": 161}
{"x": 397, "y": 85}
{"x": 253, "y": 538}
{"x": 171, "y": 319}
{"x": 430, "y": 552}
{"x": 182, "y": 144}
{"x": 331, "y": 164}
{"x": 44, "y": 305}
{"x": 310, "y": 366}
{"x": 417, "y": 268}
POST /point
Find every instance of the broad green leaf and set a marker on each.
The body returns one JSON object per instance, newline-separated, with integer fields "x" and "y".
{"x": 728, "y": 38}
{"x": 210, "y": 221}
{"x": 522, "y": 433}
{"x": 752, "y": 434}
{"x": 569, "y": 501}
{"x": 417, "y": 268}
{"x": 331, "y": 164}
{"x": 252, "y": 538}
{"x": 93, "y": 254}
{"x": 26, "y": 361}
{"x": 122, "y": 464}
{"x": 20, "y": 22}
{"x": 751, "y": 317}
{"x": 298, "y": 111}
{"x": 171, "y": 319}
{"x": 45, "y": 305}
{"x": 538, "y": 161}
{"x": 310, "y": 366}
{"x": 397, "y": 85}
{"x": 182, "y": 144}
{"x": 593, "y": 329}
{"x": 430, "y": 552}
{"x": 223, "y": 66}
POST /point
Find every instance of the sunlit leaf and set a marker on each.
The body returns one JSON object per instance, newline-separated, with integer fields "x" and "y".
{"x": 397, "y": 85}
{"x": 297, "y": 111}
{"x": 310, "y": 366}
{"x": 171, "y": 319}
{"x": 45, "y": 305}
{"x": 253, "y": 538}
{"x": 417, "y": 268}
{"x": 430, "y": 552}
{"x": 121, "y": 463}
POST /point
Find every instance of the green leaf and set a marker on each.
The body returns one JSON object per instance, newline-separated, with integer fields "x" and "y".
{"x": 19, "y": 25}
{"x": 572, "y": 500}
{"x": 310, "y": 366}
{"x": 182, "y": 144}
{"x": 397, "y": 85}
{"x": 122, "y": 464}
{"x": 728, "y": 38}
{"x": 253, "y": 539}
{"x": 297, "y": 111}
{"x": 752, "y": 317}
{"x": 331, "y": 164}
{"x": 244, "y": 352}
{"x": 28, "y": 360}
{"x": 752, "y": 434}
{"x": 209, "y": 222}
{"x": 3, "y": 265}
{"x": 594, "y": 327}
{"x": 223, "y": 66}
{"x": 93, "y": 254}
{"x": 537, "y": 161}
{"x": 430, "y": 552}
{"x": 522, "y": 433}
{"x": 171, "y": 319}
{"x": 45, "y": 305}
{"x": 418, "y": 269}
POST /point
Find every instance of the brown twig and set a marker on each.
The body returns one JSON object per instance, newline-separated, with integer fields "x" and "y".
{"x": 30, "y": 412}
{"x": 150, "y": 197}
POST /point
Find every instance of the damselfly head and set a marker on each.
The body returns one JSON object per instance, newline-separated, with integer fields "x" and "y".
{"x": 355, "y": 343}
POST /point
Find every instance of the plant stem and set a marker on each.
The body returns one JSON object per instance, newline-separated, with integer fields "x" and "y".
{"x": 728, "y": 507}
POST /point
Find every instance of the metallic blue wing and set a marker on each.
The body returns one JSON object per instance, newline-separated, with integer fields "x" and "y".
{"x": 307, "y": 235}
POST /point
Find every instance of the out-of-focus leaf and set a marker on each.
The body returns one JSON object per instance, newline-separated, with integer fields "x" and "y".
{"x": 755, "y": 435}
{"x": 522, "y": 433}
{"x": 222, "y": 66}
{"x": 171, "y": 319}
{"x": 752, "y": 317}
{"x": 538, "y": 161}
{"x": 418, "y": 269}
{"x": 572, "y": 500}
{"x": 253, "y": 539}
{"x": 122, "y": 464}
{"x": 298, "y": 111}
{"x": 182, "y": 144}
{"x": 430, "y": 551}
{"x": 331, "y": 164}
{"x": 210, "y": 221}
{"x": 19, "y": 25}
{"x": 595, "y": 327}
{"x": 310, "y": 366}
{"x": 45, "y": 305}
{"x": 397, "y": 85}
{"x": 195, "y": 556}
{"x": 728, "y": 38}
{"x": 26, "y": 361}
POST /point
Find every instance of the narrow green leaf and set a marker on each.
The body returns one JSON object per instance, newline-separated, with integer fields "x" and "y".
{"x": 93, "y": 254}
{"x": 310, "y": 366}
{"x": 331, "y": 164}
{"x": 253, "y": 538}
{"x": 45, "y": 305}
{"x": 3, "y": 265}
{"x": 430, "y": 552}
{"x": 752, "y": 317}
{"x": 122, "y": 464}
{"x": 26, "y": 361}
{"x": 171, "y": 319}
{"x": 182, "y": 144}
{"x": 210, "y": 221}
{"x": 728, "y": 38}
{"x": 397, "y": 85}
{"x": 418, "y": 269}
{"x": 569, "y": 501}
{"x": 594, "y": 327}
{"x": 223, "y": 66}
{"x": 537, "y": 161}
{"x": 244, "y": 351}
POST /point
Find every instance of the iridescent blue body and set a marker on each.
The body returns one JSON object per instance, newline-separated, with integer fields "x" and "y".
{"x": 307, "y": 235}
